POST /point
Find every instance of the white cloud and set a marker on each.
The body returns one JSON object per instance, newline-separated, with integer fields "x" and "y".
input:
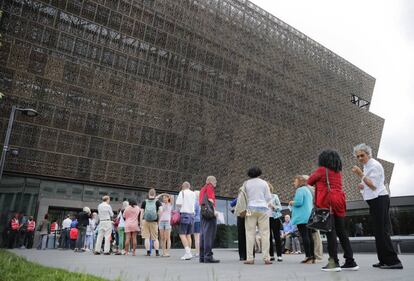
{"x": 378, "y": 37}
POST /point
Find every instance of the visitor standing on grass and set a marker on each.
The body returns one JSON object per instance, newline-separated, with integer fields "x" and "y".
{"x": 258, "y": 199}
{"x": 301, "y": 210}
{"x": 376, "y": 195}
{"x": 149, "y": 221}
{"x": 329, "y": 171}
{"x": 131, "y": 214}
{"x": 186, "y": 203}
{"x": 105, "y": 226}
{"x": 165, "y": 223}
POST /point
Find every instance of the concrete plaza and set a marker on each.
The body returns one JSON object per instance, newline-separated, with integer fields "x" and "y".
{"x": 145, "y": 268}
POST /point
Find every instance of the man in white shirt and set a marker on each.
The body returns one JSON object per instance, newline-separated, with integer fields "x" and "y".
{"x": 65, "y": 240}
{"x": 186, "y": 202}
{"x": 376, "y": 195}
{"x": 105, "y": 214}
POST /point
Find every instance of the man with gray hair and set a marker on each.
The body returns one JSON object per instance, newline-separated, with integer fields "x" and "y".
{"x": 376, "y": 195}
{"x": 105, "y": 214}
{"x": 186, "y": 203}
{"x": 208, "y": 225}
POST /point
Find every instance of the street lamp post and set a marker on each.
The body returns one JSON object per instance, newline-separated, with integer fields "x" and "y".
{"x": 26, "y": 111}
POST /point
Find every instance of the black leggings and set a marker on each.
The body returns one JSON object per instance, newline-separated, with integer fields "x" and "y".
{"x": 241, "y": 234}
{"x": 307, "y": 240}
{"x": 275, "y": 225}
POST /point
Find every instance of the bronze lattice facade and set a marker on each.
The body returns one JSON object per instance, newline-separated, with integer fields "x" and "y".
{"x": 143, "y": 93}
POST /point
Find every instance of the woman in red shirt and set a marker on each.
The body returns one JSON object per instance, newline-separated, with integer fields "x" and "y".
{"x": 330, "y": 165}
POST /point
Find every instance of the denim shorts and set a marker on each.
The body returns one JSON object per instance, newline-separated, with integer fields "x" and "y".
{"x": 164, "y": 225}
{"x": 186, "y": 224}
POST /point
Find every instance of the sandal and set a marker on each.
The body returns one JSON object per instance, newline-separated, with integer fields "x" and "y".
{"x": 310, "y": 261}
{"x": 249, "y": 262}
{"x": 307, "y": 260}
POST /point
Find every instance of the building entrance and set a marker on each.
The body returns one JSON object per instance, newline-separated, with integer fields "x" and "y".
{"x": 59, "y": 213}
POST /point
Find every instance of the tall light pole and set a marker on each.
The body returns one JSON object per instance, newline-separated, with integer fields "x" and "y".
{"x": 26, "y": 111}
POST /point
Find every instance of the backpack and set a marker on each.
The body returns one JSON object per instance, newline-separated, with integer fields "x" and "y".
{"x": 74, "y": 224}
{"x": 150, "y": 212}
{"x": 73, "y": 234}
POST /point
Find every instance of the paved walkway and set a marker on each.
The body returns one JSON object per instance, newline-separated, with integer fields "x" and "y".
{"x": 230, "y": 269}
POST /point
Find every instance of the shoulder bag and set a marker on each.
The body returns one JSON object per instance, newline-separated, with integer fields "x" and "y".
{"x": 241, "y": 206}
{"x": 207, "y": 208}
{"x": 321, "y": 218}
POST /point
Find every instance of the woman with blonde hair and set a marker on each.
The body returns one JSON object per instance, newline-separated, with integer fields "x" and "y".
{"x": 121, "y": 227}
{"x": 301, "y": 210}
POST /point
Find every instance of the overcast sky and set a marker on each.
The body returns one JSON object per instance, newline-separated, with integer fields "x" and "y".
{"x": 378, "y": 37}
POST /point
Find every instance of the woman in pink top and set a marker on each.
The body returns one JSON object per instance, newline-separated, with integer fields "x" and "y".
{"x": 164, "y": 223}
{"x": 131, "y": 215}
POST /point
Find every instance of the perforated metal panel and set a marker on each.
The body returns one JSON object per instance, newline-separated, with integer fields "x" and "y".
{"x": 150, "y": 93}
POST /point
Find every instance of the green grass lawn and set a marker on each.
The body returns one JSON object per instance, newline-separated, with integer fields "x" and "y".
{"x": 15, "y": 268}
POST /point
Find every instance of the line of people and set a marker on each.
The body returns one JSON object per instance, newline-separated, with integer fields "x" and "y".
{"x": 260, "y": 211}
{"x": 105, "y": 233}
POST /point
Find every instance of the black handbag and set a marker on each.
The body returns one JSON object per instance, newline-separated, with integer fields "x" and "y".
{"x": 207, "y": 208}
{"x": 321, "y": 218}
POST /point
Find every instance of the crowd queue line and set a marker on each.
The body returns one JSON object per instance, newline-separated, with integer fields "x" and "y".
{"x": 260, "y": 224}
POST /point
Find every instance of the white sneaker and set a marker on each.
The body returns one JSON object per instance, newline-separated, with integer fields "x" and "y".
{"x": 187, "y": 257}
{"x": 279, "y": 259}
